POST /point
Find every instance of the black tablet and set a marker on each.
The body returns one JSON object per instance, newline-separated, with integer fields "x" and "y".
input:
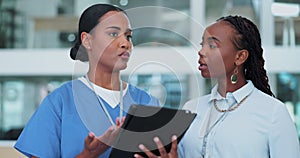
{"x": 143, "y": 123}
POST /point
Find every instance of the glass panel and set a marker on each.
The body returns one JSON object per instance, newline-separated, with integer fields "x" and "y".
{"x": 170, "y": 89}
{"x": 287, "y": 22}
{"x": 215, "y": 9}
{"x": 26, "y": 24}
{"x": 19, "y": 98}
{"x": 167, "y": 21}
{"x": 288, "y": 89}
{"x": 12, "y": 25}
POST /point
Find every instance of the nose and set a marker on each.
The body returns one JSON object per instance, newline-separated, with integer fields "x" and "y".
{"x": 125, "y": 43}
{"x": 201, "y": 52}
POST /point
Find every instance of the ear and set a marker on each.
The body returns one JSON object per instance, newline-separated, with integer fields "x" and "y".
{"x": 85, "y": 38}
{"x": 241, "y": 57}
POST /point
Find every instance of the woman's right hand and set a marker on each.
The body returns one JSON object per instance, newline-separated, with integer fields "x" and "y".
{"x": 163, "y": 153}
{"x": 95, "y": 146}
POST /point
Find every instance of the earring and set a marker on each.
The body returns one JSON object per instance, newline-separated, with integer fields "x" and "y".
{"x": 234, "y": 76}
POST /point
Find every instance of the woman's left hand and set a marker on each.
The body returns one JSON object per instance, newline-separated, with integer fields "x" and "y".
{"x": 95, "y": 146}
{"x": 163, "y": 153}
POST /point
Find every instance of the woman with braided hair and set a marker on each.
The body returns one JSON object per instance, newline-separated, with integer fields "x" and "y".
{"x": 240, "y": 118}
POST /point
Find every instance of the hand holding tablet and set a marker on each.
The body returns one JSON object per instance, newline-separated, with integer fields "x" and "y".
{"x": 143, "y": 123}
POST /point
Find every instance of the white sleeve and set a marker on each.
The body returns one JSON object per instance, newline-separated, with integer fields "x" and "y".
{"x": 180, "y": 150}
{"x": 283, "y": 138}
{"x": 191, "y": 105}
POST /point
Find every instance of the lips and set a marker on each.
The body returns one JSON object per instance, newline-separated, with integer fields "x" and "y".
{"x": 124, "y": 55}
{"x": 202, "y": 66}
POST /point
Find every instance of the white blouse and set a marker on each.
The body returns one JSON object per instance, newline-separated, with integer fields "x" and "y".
{"x": 260, "y": 127}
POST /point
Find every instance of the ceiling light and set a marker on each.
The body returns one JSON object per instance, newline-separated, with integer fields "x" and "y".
{"x": 285, "y": 9}
{"x": 123, "y": 2}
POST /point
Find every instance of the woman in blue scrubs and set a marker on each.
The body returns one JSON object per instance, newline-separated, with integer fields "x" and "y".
{"x": 82, "y": 117}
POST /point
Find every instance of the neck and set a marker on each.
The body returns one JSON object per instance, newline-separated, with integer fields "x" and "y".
{"x": 225, "y": 85}
{"x": 106, "y": 80}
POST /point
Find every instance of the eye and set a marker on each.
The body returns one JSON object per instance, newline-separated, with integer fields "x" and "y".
{"x": 201, "y": 44}
{"x": 212, "y": 46}
{"x": 113, "y": 34}
{"x": 209, "y": 44}
{"x": 129, "y": 37}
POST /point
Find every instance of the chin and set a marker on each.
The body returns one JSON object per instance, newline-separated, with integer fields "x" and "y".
{"x": 205, "y": 75}
{"x": 123, "y": 67}
{"x": 120, "y": 67}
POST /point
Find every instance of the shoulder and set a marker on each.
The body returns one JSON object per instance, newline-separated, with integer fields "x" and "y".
{"x": 63, "y": 95}
{"x": 133, "y": 90}
{"x": 270, "y": 107}
{"x": 265, "y": 100}
{"x": 141, "y": 96}
{"x": 67, "y": 88}
{"x": 64, "y": 90}
{"x": 194, "y": 104}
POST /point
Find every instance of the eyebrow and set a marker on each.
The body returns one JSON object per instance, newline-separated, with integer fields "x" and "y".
{"x": 213, "y": 39}
{"x": 118, "y": 28}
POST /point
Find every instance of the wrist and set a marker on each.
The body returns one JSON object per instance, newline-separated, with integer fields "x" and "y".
{"x": 86, "y": 154}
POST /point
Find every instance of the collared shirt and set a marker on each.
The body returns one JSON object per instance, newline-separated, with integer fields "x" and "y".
{"x": 260, "y": 127}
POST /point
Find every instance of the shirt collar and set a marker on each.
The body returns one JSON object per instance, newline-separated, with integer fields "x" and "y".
{"x": 110, "y": 96}
{"x": 238, "y": 94}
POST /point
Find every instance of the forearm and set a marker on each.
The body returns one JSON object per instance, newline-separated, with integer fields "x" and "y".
{"x": 86, "y": 154}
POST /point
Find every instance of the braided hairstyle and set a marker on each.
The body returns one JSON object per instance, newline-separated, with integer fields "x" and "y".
{"x": 248, "y": 37}
{"x": 88, "y": 20}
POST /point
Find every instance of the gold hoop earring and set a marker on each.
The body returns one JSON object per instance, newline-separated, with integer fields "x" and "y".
{"x": 234, "y": 76}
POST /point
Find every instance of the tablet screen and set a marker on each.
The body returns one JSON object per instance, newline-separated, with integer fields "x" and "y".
{"x": 143, "y": 123}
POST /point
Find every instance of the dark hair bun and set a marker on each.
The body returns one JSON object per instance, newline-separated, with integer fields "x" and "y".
{"x": 78, "y": 52}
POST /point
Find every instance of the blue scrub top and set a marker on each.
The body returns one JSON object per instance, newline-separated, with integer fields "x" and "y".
{"x": 66, "y": 116}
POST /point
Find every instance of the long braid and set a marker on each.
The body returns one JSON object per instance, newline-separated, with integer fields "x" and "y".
{"x": 248, "y": 37}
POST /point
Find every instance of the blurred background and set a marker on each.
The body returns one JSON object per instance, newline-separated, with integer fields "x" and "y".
{"x": 36, "y": 35}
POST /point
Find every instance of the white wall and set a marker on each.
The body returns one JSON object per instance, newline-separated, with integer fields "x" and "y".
{"x": 81, "y": 5}
{"x": 178, "y": 59}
